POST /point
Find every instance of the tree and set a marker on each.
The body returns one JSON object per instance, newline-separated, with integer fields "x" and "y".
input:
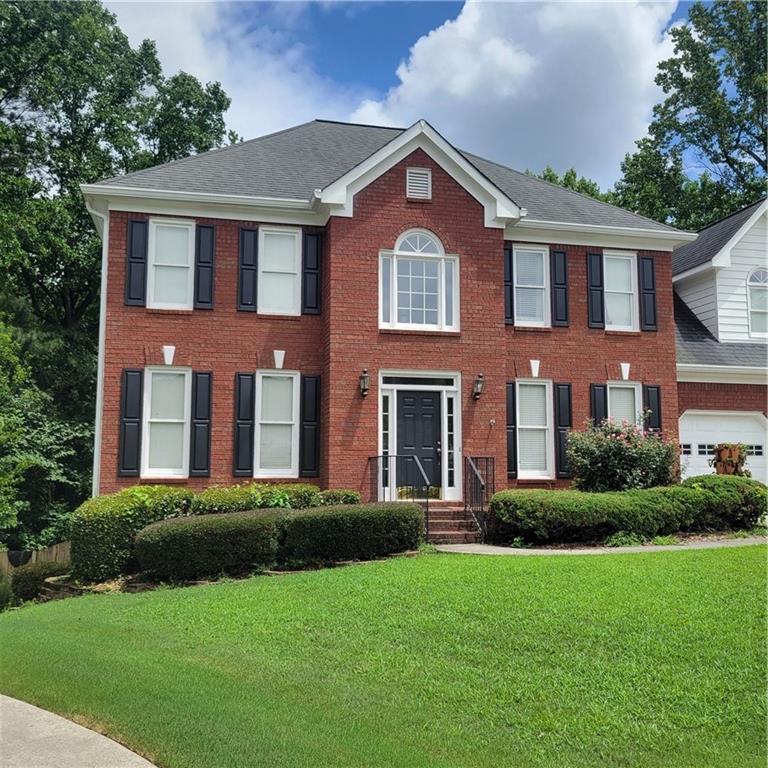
{"x": 713, "y": 119}
{"x": 571, "y": 180}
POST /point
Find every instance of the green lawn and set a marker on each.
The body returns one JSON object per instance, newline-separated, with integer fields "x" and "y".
{"x": 619, "y": 660}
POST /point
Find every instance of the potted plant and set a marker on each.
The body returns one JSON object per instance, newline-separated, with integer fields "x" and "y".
{"x": 729, "y": 459}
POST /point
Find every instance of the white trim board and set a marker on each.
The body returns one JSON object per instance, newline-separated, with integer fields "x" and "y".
{"x": 722, "y": 374}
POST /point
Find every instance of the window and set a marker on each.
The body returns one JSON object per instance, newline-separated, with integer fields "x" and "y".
{"x": 534, "y": 430}
{"x": 754, "y": 450}
{"x": 706, "y": 449}
{"x": 620, "y": 291}
{"x": 757, "y": 301}
{"x": 531, "y": 277}
{"x": 624, "y": 402}
{"x": 419, "y": 285}
{"x": 418, "y": 183}
{"x": 171, "y": 255}
{"x": 685, "y": 449}
{"x": 277, "y": 424}
{"x": 279, "y": 281}
{"x": 165, "y": 434}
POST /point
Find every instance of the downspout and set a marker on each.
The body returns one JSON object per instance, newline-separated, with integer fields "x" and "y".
{"x": 104, "y": 217}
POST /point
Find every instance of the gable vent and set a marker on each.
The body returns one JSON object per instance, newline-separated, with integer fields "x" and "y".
{"x": 418, "y": 183}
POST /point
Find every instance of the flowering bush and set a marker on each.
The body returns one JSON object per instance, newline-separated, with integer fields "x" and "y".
{"x": 617, "y": 456}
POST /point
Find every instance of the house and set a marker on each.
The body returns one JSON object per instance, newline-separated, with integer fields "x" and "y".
{"x": 298, "y": 305}
{"x": 721, "y": 314}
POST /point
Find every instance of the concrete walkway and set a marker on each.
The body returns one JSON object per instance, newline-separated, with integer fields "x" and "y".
{"x": 488, "y": 549}
{"x": 34, "y": 738}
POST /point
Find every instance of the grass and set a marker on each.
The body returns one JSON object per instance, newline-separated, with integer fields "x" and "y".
{"x": 441, "y": 660}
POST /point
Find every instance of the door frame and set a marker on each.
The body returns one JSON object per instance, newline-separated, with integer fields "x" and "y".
{"x": 454, "y": 492}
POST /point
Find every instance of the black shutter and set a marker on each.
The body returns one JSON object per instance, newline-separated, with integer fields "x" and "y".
{"x": 136, "y": 264}
{"x": 559, "y": 288}
{"x": 248, "y": 270}
{"x": 309, "y": 435}
{"x": 563, "y": 424}
{"x": 200, "y": 439}
{"x": 647, "y": 270}
{"x": 310, "y": 278}
{"x": 511, "y": 431}
{"x": 245, "y": 409}
{"x": 129, "y": 450}
{"x": 204, "y": 250}
{"x": 509, "y": 288}
{"x": 652, "y": 403}
{"x": 595, "y": 300}
{"x": 598, "y": 402}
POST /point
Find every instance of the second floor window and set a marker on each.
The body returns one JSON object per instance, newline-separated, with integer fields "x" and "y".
{"x": 419, "y": 285}
{"x": 531, "y": 278}
{"x": 620, "y": 291}
{"x": 170, "y": 280}
{"x": 757, "y": 299}
{"x": 279, "y": 279}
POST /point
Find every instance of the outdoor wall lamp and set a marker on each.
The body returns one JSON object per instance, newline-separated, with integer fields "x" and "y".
{"x": 478, "y": 386}
{"x": 365, "y": 382}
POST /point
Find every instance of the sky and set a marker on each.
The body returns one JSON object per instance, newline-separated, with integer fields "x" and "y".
{"x": 527, "y": 84}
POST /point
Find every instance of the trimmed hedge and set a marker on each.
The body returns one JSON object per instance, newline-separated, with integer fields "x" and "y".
{"x": 188, "y": 548}
{"x": 239, "y": 498}
{"x": 103, "y": 528}
{"x": 710, "y": 502}
{"x": 349, "y": 532}
{"x": 335, "y": 497}
{"x": 27, "y": 580}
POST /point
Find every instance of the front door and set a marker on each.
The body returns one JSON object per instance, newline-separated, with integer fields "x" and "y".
{"x": 418, "y": 434}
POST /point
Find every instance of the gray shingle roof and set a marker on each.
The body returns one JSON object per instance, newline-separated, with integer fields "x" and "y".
{"x": 293, "y": 163}
{"x": 710, "y": 241}
{"x": 697, "y": 346}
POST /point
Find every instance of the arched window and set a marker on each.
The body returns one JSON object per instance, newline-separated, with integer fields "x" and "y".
{"x": 757, "y": 301}
{"x": 419, "y": 284}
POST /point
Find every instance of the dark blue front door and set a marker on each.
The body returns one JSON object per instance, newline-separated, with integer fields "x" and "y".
{"x": 418, "y": 434}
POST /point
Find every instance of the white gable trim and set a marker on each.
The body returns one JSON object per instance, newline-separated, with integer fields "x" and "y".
{"x": 722, "y": 374}
{"x": 339, "y": 195}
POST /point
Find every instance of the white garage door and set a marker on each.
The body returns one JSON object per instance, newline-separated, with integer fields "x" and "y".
{"x": 700, "y": 432}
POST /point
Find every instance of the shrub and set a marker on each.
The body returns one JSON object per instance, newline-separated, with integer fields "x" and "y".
{"x": 335, "y": 497}
{"x": 239, "y": 498}
{"x": 710, "y": 503}
{"x": 624, "y": 539}
{"x": 27, "y": 580}
{"x": 349, "y": 532}
{"x": 300, "y": 495}
{"x": 185, "y": 548}
{"x": 6, "y": 593}
{"x": 615, "y": 456}
{"x": 103, "y": 528}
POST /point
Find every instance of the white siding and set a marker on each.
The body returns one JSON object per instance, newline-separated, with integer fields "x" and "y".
{"x": 748, "y": 253}
{"x": 700, "y": 294}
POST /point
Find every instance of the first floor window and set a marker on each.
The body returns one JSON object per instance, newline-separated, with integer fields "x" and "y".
{"x": 757, "y": 290}
{"x": 277, "y": 424}
{"x": 534, "y": 429}
{"x": 166, "y": 423}
{"x": 279, "y": 279}
{"x": 531, "y": 276}
{"x": 171, "y": 257}
{"x": 620, "y": 291}
{"x": 419, "y": 284}
{"x": 624, "y": 402}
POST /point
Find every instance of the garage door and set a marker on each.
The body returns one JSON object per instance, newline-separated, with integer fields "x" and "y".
{"x": 701, "y": 432}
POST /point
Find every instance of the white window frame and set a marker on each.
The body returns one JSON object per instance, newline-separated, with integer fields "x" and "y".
{"x": 549, "y": 472}
{"x": 159, "y": 472}
{"x": 293, "y": 470}
{"x": 442, "y": 258}
{"x": 408, "y": 173}
{"x": 758, "y": 286}
{"x": 630, "y": 256}
{"x": 260, "y": 300}
{"x": 151, "y": 263}
{"x": 637, "y": 386}
{"x": 547, "y": 321}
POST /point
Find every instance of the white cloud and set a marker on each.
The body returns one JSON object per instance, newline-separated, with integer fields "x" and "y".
{"x": 531, "y": 84}
{"x": 250, "y": 49}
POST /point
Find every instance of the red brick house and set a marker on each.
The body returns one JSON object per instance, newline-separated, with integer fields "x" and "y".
{"x": 296, "y": 305}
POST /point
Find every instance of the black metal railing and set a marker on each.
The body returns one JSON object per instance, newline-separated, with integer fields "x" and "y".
{"x": 401, "y": 478}
{"x": 479, "y": 486}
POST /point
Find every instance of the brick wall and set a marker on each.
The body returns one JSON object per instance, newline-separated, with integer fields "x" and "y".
{"x": 705, "y": 396}
{"x": 345, "y": 338}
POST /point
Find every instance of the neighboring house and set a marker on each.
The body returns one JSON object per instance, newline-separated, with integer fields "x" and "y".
{"x": 721, "y": 313}
{"x": 292, "y": 306}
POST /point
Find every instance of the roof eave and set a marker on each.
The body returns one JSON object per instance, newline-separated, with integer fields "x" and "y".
{"x": 725, "y": 374}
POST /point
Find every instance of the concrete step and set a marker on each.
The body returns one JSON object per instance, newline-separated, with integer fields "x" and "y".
{"x": 442, "y": 536}
{"x": 452, "y": 524}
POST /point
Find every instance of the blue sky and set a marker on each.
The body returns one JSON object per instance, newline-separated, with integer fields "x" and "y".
{"x": 524, "y": 83}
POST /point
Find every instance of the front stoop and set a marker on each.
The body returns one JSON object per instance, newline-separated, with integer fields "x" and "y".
{"x": 451, "y": 524}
